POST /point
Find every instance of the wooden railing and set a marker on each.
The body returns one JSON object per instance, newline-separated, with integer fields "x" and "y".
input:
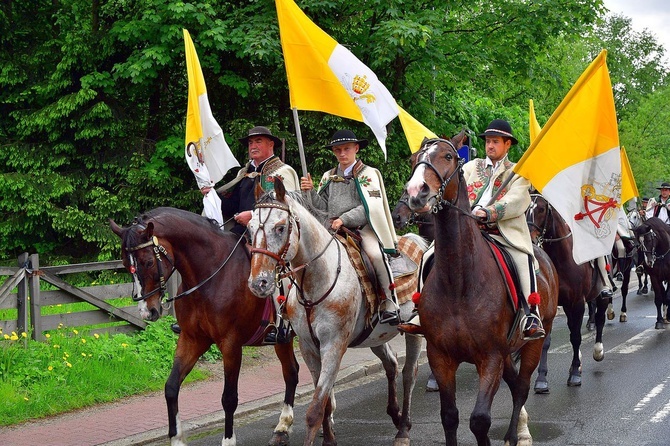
{"x": 21, "y": 291}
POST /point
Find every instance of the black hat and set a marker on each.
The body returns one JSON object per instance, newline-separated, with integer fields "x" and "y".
{"x": 260, "y": 131}
{"x": 345, "y": 136}
{"x": 664, "y": 185}
{"x": 499, "y": 127}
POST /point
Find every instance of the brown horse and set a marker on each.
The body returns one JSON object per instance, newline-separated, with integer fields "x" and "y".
{"x": 654, "y": 238}
{"x": 465, "y": 310}
{"x": 578, "y": 284}
{"x": 403, "y": 217}
{"x": 217, "y": 307}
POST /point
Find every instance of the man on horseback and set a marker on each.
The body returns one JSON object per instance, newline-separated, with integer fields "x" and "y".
{"x": 659, "y": 207}
{"x": 238, "y": 199}
{"x": 353, "y": 195}
{"x": 501, "y": 213}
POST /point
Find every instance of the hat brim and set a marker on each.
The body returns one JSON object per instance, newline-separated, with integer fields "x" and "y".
{"x": 492, "y": 132}
{"x": 362, "y": 143}
{"x": 245, "y": 140}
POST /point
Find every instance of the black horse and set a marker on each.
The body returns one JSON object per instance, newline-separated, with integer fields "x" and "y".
{"x": 654, "y": 238}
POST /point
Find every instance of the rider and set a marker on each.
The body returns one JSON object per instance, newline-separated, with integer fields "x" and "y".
{"x": 353, "y": 195}
{"x": 659, "y": 207}
{"x": 238, "y": 198}
{"x": 501, "y": 213}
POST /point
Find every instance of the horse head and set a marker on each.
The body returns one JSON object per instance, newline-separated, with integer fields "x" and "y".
{"x": 537, "y": 217}
{"x": 149, "y": 262}
{"x": 434, "y": 167}
{"x": 654, "y": 238}
{"x": 275, "y": 236}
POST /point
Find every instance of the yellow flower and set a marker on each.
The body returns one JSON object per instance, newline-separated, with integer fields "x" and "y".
{"x": 47, "y": 335}
{"x": 68, "y": 364}
{"x": 83, "y": 341}
{"x": 56, "y": 346}
{"x": 60, "y": 325}
{"x": 50, "y": 368}
{"x": 83, "y": 354}
{"x": 13, "y": 337}
{"x": 6, "y": 336}
{"x": 74, "y": 330}
{"x": 24, "y": 334}
{"x": 26, "y": 398}
{"x": 96, "y": 336}
{"x": 67, "y": 355}
{"x": 124, "y": 345}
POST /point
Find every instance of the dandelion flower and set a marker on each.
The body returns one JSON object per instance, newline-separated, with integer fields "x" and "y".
{"x": 75, "y": 331}
{"x": 124, "y": 345}
{"x": 14, "y": 337}
{"x": 24, "y": 334}
{"x": 83, "y": 341}
{"x": 6, "y": 336}
{"x": 96, "y": 336}
{"x": 56, "y": 346}
{"x": 83, "y": 354}
{"x": 26, "y": 398}
{"x": 50, "y": 368}
{"x": 68, "y": 364}
{"x": 47, "y": 335}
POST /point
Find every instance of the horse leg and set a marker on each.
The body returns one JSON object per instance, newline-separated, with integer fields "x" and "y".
{"x": 623, "y": 317}
{"x": 659, "y": 297}
{"x": 290, "y": 367}
{"x": 541, "y": 383}
{"x": 186, "y": 355}
{"x": 489, "y": 382}
{"x": 323, "y": 365}
{"x": 575, "y": 314}
{"x": 444, "y": 369}
{"x": 591, "y": 321}
{"x": 409, "y": 372}
{"x": 390, "y": 363}
{"x": 519, "y": 385}
{"x": 601, "y": 309}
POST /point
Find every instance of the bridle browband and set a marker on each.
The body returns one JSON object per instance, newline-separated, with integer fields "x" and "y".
{"x": 280, "y": 256}
{"x": 159, "y": 250}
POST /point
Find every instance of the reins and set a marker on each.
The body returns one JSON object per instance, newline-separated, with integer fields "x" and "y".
{"x": 541, "y": 239}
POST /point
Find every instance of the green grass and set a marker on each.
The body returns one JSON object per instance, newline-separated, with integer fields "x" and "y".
{"x": 74, "y": 369}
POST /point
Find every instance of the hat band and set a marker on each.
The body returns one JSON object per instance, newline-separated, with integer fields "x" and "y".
{"x": 335, "y": 141}
{"x": 501, "y": 131}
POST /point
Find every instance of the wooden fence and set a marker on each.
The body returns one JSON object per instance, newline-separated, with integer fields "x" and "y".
{"x": 29, "y": 300}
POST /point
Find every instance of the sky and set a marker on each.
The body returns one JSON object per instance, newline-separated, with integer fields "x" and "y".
{"x": 651, "y": 14}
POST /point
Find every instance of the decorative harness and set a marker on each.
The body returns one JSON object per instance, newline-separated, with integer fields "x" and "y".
{"x": 652, "y": 252}
{"x": 159, "y": 250}
{"x": 284, "y": 270}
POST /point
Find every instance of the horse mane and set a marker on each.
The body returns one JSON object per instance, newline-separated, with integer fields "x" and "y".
{"x": 659, "y": 227}
{"x": 163, "y": 217}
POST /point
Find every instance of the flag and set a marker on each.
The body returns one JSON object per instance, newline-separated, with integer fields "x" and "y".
{"x": 325, "y": 76}
{"x": 628, "y": 186}
{"x": 534, "y": 126}
{"x": 202, "y": 129}
{"x": 414, "y": 131}
{"x": 575, "y": 162}
{"x": 206, "y": 151}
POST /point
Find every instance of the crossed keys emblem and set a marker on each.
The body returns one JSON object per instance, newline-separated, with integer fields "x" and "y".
{"x": 596, "y": 206}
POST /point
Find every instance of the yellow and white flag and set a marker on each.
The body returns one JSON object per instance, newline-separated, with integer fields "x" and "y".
{"x": 206, "y": 151}
{"x": 575, "y": 162}
{"x": 325, "y": 76}
{"x": 628, "y": 186}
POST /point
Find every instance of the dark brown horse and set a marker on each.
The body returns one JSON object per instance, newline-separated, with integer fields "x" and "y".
{"x": 654, "y": 238}
{"x": 403, "y": 217}
{"x": 578, "y": 284}
{"x": 465, "y": 310}
{"x": 217, "y": 307}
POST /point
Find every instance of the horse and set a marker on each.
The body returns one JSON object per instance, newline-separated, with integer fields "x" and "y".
{"x": 466, "y": 313}
{"x": 328, "y": 312}
{"x": 578, "y": 284}
{"x": 216, "y": 308}
{"x": 403, "y": 217}
{"x": 654, "y": 238}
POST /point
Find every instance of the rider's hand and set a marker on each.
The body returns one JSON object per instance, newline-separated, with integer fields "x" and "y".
{"x": 336, "y": 224}
{"x": 306, "y": 183}
{"x": 243, "y": 218}
{"x": 205, "y": 190}
{"x": 480, "y": 213}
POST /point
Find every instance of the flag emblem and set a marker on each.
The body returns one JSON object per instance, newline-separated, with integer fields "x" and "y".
{"x": 599, "y": 207}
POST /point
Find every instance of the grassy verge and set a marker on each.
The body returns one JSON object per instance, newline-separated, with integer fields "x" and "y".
{"x": 74, "y": 369}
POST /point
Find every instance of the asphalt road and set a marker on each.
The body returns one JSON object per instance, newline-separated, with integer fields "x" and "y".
{"x": 624, "y": 400}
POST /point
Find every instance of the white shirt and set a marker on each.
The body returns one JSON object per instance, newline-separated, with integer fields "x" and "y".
{"x": 488, "y": 192}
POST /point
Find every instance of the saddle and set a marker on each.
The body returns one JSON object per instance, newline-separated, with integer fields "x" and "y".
{"x": 403, "y": 268}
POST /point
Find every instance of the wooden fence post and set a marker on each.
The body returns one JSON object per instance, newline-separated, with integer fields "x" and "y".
{"x": 22, "y": 297}
{"x": 34, "y": 289}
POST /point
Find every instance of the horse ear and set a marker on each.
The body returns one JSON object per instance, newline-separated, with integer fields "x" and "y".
{"x": 459, "y": 139}
{"x": 258, "y": 189}
{"x": 150, "y": 229}
{"x": 280, "y": 189}
{"x": 116, "y": 229}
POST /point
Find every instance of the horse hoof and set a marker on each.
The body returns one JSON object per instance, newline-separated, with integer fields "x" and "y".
{"x": 401, "y": 442}
{"x": 574, "y": 381}
{"x": 639, "y": 292}
{"x": 431, "y": 386}
{"x": 645, "y": 290}
{"x": 598, "y": 351}
{"x": 623, "y": 317}
{"x": 541, "y": 387}
{"x": 279, "y": 439}
{"x": 610, "y": 312}
{"x": 659, "y": 326}
{"x": 590, "y": 326}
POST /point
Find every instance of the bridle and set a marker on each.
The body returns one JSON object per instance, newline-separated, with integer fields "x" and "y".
{"x": 424, "y": 159}
{"x": 652, "y": 253}
{"x": 279, "y": 256}
{"x": 541, "y": 239}
{"x": 159, "y": 252}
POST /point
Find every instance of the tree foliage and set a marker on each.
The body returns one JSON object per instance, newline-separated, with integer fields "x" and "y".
{"x": 93, "y": 94}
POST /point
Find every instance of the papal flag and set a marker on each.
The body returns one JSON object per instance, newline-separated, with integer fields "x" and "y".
{"x": 325, "y": 76}
{"x": 206, "y": 151}
{"x": 534, "y": 126}
{"x": 628, "y": 185}
{"x": 575, "y": 162}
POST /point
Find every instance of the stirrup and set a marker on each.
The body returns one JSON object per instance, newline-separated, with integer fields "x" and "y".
{"x": 606, "y": 293}
{"x": 389, "y": 317}
{"x": 531, "y": 327}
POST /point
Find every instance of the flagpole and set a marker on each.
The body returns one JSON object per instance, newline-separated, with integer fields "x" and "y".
{"x": 301, "y": 151}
